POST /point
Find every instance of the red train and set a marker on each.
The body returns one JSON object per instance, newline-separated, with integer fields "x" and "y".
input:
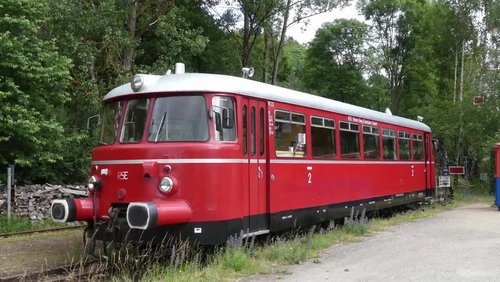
{"x": 203, "y": 157}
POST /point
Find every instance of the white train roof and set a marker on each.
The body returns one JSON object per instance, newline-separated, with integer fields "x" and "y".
{"x": 199, "y": 82}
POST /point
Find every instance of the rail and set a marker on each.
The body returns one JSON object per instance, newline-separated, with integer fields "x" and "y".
{"x": 41, "y": 231}
{"x": 73, "y": 272}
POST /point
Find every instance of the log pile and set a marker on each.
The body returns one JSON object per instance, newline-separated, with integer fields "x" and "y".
{"x": 33, "y": 201}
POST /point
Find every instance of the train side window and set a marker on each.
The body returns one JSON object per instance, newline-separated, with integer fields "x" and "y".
{"x": 224, "y": 107}
{"x": 252, "y": 131}
{"x": 404, "y": 145}
{"x": 389, "y": 144}
{"x": 371, "y": 142}
{"x": 290, "y": 134}
{"x": 323, "y": 137}
{"x": 262, "y": 131}
{"x": 417, "y": 147}
{"x": 245, "y": 128}
{"x": 349, "y": 140}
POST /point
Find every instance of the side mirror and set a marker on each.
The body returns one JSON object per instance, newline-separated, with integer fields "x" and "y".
{"x": 218, "y": 121}
{"x": 93, "y": 122}
{"x": 228, "y": 121}
{"x": 436, "y": 144}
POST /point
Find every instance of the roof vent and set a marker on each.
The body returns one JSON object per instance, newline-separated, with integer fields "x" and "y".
{"x": 388, "y": 111}
{"x": 180, "y": 68}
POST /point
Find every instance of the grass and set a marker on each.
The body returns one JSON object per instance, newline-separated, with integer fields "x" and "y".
{"x": 18, "y": 224}
{"x": 242, "y": 259}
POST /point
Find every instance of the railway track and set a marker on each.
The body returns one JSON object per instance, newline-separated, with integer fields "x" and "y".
{"x": 41, "y": 231}
{"x": 74, "y": 272}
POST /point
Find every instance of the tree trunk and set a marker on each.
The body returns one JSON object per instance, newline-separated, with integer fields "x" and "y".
{"x": 245, "y": 56}
{"x": 281, "y": 43}
{"x": 394, "y": 88}
{"x": 266, "y": 53}
{"x": 131, "y": 25}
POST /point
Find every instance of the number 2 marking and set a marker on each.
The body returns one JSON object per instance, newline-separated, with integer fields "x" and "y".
{"x": 309, "y": 178}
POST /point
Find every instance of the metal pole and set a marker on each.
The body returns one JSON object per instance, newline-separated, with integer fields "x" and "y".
{"x": 9, "y": 184}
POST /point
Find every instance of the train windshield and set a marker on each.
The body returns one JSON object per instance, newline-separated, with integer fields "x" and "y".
{"x": 178, "y": 119}
{"x": 134, "y": 121}
{"x": 110, "y": 122}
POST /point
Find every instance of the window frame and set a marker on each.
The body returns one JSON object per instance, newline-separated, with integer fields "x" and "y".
{"x": 349, "y": 129}
{"x": 290, "y": 120}
{"x": 206, "y": 107}
{"x": 333, "y": 127}
{"x": 418, "y": 139}
{"x": 392, "y": 136}
{"x": 373, "y": 131}
{"x": 125, "y": 111}
{"x": 235, "y": 121}
{"x": 404, "y": 135}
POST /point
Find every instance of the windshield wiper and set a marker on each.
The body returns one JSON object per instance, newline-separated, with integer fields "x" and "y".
{"x": 162, "y": 121}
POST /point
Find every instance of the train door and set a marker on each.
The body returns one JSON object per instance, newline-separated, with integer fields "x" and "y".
{"x": 258, "y": 167}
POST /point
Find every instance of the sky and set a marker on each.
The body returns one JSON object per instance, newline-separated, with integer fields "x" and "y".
{"x": 304, "y": 34}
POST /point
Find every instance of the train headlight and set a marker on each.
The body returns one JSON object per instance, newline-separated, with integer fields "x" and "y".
{"x": 92, "y": 183}
{"x": 166, "y": 185}
{"x": 137, "y": 83}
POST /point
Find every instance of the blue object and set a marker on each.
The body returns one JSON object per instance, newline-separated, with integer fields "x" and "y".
{"x": 497, "y": 193}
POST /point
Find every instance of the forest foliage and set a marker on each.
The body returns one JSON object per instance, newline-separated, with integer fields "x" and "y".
{"x": 58, "y": 58}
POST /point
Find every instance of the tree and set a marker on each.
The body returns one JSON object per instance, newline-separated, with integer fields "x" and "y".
{"x": 293, "y": 12}
{"x": 255, "y": 16}
{"x": 335, "y": 58}
{"x": 33, "y": 81}
{"x": 270, "y": 18}
{"x": 392, "y": 27}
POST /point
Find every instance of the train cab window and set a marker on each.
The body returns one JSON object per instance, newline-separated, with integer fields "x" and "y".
{"x": 111, "y": 118}
{"x": 371, "y": 142}
{"x": 135, "y": 121}
{"x": 404, "y": 145}
{"x": 179, "y": 119}
{"x": 417, "y": 147}
{"x": 389, "y": 144}
{"x": 323, "y": 137}
{"x": 224, "y": 108}
{"x": 349, "y": 140}
{"x": 290, "y": 134}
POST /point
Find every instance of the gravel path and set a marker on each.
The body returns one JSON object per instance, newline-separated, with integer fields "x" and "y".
{"x": 458, "y": 245}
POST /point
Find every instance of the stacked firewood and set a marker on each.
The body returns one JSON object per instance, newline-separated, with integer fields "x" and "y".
{"x": 33, "y": 201}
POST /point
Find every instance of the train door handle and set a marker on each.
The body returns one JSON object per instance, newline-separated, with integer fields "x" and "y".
{"x": 412, "y": 170}
{"x": 260, "y": 174}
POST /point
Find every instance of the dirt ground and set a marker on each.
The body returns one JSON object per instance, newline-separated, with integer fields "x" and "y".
{"x": 38, "y": 253}
{"x": 458, "y": 245}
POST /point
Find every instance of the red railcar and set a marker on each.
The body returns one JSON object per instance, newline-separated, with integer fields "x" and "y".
{"x": 203, "y": 157}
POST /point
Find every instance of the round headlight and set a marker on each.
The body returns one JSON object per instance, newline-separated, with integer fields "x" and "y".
{"x": 137, "y": 83}
{"x": 91, "y": 183}
{"x": 166, "y": 185}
